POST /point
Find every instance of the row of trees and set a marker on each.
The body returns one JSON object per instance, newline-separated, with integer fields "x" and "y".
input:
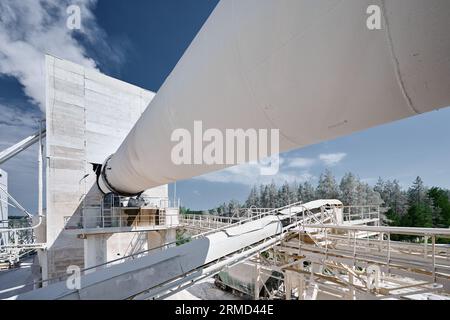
{"x": 351, "y": 191}
{"x": 418, "y": 206}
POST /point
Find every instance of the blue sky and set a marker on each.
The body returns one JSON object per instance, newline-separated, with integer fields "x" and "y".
{"x": 140, "y": 42}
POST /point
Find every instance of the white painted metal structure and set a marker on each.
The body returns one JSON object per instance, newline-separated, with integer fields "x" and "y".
{"x": 7, "y": 154}
{"x": 3, "y": 206}
{"x": 160, "y": 275}
{"x": 12, "y": 151}
{"x": 6, "y": 199}
{"x": 311, "y": 69}
{"x": 160, "y": 272}
{"x": 137, "y": 276}
{"x": 362, "y": 262}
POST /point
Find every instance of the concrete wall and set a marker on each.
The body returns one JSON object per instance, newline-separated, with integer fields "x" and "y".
{"x": 100, "y": 248}
{"x": 158, "y": 238}
{"x": 88, "y": 116}
{"x": 3, "y": 206}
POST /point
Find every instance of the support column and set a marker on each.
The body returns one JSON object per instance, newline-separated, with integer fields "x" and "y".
{"x": 294, "y": 280}
{"x": 351, "y": 293}
{"x": 257, "y": 279}
{"x": 301, "y": 287}
{"x": 288, "y": 284}
{"x": 95, "y": 250}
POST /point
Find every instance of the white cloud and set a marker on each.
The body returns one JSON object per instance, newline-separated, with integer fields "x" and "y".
{"x": 301, "y": 162}
{"x": 14, "y": 117}
{"x": 28, "y": 30}
{"x": 15, "y": 125}
{"x": 250, "y": 174}
{"x": 31, "y": 28}
{"x": 332, "y": 159}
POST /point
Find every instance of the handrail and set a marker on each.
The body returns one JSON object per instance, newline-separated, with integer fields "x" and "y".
{"x": 132, "y": 256}
{"x": 201, "y": 235}
{"x": 121, "y": 221}
{"x": 187, "y": 279}
{"x": 422, "y": 258}
{"x": 441, "y": 232}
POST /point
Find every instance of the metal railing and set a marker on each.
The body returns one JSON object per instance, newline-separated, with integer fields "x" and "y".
{"x": 123, "y": 218}
{"x": 293, "y": 222}
{"x": 364, "y": 212}
{"x": 251, "y": 211}
{"x": 206, "y": 222}
{"x": 377, "y": 247}
{"x": 115, "y": 201}
{"x": 301, "y": 215}
{"x": 124, "y": 212}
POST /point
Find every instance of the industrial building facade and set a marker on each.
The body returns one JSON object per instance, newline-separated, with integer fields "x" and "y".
{"x": 88, "y": 115}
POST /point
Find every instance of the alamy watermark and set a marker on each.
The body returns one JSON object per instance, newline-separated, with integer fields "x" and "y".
{"x": 232, "y": 147}
{"x": 73, "y": 21}
{"x": 73, "y": 281}
{"x": 373, "y": 22}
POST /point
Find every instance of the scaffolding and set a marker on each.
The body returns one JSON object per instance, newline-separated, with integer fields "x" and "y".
{"x": 357, "y": 261}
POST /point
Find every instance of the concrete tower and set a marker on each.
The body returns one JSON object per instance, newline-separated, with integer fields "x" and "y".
{"x": 88, "y": 115}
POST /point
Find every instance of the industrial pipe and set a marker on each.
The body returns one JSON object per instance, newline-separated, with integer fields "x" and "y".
{"x": 315, "y": 70}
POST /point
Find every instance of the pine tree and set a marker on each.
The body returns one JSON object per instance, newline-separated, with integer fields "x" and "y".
{"x": 233, "y": 206}
{"x": 392, "y": 196}
{"x": 253, "y": 198}
{"x": 222, "y": 209}
{"x": 309, "y": 194}
{"x": 398, "y": 198}
{"x": 380, "y": 187}
{"x": 362, "y": 191}
{"x": 264, "y": 196}
{"x": 294, "y": 192}
{"x": 272, "y": 194}
{"x": 417, "y": 192}
{"x": 367, "y": 196}
{"x": 440, "y": 206}
{"x": 284, "y": 195}
{"x": 419, "y": 213}
{"x": 348, "y": 188}
{"x": 327, "y": 187}
{"x": 373, "y": 197}
{"x": 393, "y": 218}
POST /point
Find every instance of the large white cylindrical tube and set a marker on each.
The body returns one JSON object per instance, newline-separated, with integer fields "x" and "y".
{"x": 312, "y": 69}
